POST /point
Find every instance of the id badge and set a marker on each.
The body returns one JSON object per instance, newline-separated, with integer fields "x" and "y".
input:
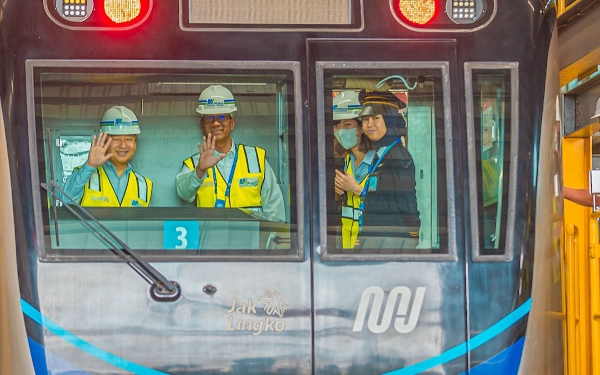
{"x": 219, "y": 203}
{"x": 372, "y": 184}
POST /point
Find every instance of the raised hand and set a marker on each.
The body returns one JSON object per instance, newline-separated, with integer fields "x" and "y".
{"x": 207, "y": 155}
{"x": 344, "y": 182}
{"x": 97, "y": 155}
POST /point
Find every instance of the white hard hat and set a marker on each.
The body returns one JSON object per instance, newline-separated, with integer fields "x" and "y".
{"x": 346, "y": 105}
{"x": 597, "y": 114}
{"x": 119, "y": 120}
{"x": 215, "y": 100}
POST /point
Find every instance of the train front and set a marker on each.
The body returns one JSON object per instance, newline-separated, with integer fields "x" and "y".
{"x": 185, "y": 202}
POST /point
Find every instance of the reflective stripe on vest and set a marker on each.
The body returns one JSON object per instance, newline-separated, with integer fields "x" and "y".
{"x": 99, "y": 192}
{"x": 351, "y": 210}
{"x": 350, "y": 213}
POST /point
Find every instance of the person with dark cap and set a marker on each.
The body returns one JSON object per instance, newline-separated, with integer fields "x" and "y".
{"x": 390, "y": 216}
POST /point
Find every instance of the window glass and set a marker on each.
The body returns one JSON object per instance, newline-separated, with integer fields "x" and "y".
{"x": 251, "y": 113}
{"x": 386, "y": 163}
{"x": 492, "y": 103}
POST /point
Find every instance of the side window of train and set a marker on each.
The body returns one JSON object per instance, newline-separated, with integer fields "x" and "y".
{"x": 150, "y": 185}
{"x": 385, "y": 158}
{"x": 492, "y": 131}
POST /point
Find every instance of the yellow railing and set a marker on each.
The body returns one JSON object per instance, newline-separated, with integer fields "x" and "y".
{"x": 563, "y": 7}
{"x": 581, "y": 289}
{"x": 595, "y": 292}
{"x": 571, "y": 292}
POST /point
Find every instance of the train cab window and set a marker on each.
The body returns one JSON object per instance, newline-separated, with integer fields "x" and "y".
{"x": 492, "y": 132}
{"x": 385, "y": 133}
{"x": 160, "y": 187}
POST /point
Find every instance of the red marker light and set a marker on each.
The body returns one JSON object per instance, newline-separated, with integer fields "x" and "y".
{"x": 122, "y": 11}
{"x": 418, "y": 12}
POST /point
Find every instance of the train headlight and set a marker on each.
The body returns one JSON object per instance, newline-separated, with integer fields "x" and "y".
{"x": 418, "y": 11}
{"x": 74, "y": 10}
{"x": 99, "y": 14}
{"x": 121, "y": 11}
{"x": 443, "y": 15}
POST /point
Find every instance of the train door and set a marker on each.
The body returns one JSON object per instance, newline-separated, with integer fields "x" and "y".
{"x": 392, "y": 297}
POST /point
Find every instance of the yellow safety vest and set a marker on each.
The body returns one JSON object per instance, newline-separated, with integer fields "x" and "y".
{"x": 351, "y": 211}
{"x": 246, "y": 183}
{"x": 98, "y": 192}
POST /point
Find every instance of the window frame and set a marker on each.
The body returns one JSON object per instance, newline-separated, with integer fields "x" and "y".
{"x": 474, "y": 175}
{"x": 296, "y": 253}
{"x": 444, "y": 68}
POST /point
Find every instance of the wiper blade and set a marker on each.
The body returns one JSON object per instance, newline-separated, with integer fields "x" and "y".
{"x": 161, "y": 289}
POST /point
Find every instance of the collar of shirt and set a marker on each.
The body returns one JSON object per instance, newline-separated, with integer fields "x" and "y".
{"x": 363, "y": 168}
{"x": 231, "y": 151}
{"x": 110, "y": 169}
{"x": 119, "y": 184}
{"x": 224, "y": 165}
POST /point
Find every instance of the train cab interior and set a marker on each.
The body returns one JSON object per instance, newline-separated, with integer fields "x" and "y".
{"x": 70, "y": 99}
{"x": 70, "y": 103}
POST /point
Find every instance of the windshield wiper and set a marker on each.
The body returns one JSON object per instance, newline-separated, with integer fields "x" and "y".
{"x": 161, "y": 289}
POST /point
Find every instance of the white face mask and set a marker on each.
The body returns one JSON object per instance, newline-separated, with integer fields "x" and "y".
{"x": 347, "y": 138}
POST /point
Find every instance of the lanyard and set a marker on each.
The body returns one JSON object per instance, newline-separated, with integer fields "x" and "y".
{"x": 220, "y": 203}
{"x": 372, "y": 169}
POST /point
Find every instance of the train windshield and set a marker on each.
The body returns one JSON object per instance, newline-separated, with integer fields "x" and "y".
{"x": 145, "y": 185}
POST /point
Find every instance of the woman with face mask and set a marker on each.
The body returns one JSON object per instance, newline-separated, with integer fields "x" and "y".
{"x": 390, "y": 214}
{"x": 349, "y": 183}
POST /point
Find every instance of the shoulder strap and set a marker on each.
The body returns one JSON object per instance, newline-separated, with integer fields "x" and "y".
{"x": 94, "y": 183}
{"x": 251, "y": 158}
{"x": 142, "y": 186}
{"x": 381, "y": 153}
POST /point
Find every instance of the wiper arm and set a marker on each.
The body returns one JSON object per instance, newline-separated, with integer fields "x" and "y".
{"x": 161, "y": 289}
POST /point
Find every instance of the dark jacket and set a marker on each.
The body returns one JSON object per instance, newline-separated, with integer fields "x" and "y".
{"x": 391, "y": 201}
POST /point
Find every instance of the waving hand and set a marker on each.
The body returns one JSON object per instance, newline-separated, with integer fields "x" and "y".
{"x": 97, "y": 155}
{"x": 207, "y": 155}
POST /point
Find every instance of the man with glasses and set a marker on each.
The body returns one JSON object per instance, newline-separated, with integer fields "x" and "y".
{"x": 225, "y": 174}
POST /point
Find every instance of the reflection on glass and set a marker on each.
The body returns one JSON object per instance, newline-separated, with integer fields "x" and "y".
{"x": 383, "y": 162}
{"x": 492, "y": 99}
{"x": 69, "y": 106}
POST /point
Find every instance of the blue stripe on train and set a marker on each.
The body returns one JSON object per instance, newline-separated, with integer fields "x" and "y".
{"x": 506, "y": 362}
{"x": 514, "y": 352}
{"x": 107, "y": 357}
{"x": 473, "y": 343}
{"x": 46, "y": 363}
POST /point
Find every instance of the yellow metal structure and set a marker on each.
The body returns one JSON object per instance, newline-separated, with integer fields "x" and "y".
{"x": 581, "y": 260}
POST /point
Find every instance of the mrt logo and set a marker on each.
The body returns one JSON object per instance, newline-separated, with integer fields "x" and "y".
{"x": 403, "y": 323}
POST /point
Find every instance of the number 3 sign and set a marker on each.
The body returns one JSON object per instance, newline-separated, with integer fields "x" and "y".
{"x": 181, "y": 235}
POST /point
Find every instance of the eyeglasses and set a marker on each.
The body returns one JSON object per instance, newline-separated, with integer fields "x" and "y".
{"x": 210, "y": 119}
